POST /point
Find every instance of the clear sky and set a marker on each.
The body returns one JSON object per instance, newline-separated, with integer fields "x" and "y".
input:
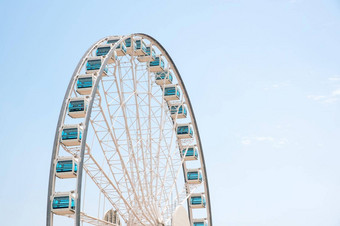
{"x": 263, "y": 77}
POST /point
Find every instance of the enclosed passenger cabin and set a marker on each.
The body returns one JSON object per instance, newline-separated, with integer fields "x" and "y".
{"x": 84, "y": 84}
{"x": 178, "y": 111}
{"x": 66, "y": 167}
{"x": 71, "y": 134}
{"x": 163, "y": 78}
{"x": 130, "y": 45}
{"x": 200, "y": 222}
{"x": 93, "y": 65}
{"x": 171, "y": 92}
{"x": 103, "y": 50}
{"x": 140, "y": 49}
{"x": 197, "y": 201}
{"x": 190, "y": 153}
{"x": 184, "y": 131}
{"x": 150, "y": 55}
{"x": 64, "y": 203}
{"x": 77, "y": 107}
{"x": 194, "y": 176}
{"x": 157, "y": 65}
{"x": 120, "y": 49}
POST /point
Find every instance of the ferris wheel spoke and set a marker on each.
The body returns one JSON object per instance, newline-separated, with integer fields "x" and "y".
{"x": 93, "y": 220}
{"x": 120, "y": 147}
{"x": 113, "y": 161}
{"x": 138, "y": 104}
{"x": 162, "y": 135}
{"x": 133, "y": 162}
{"x": 106, "y": 134}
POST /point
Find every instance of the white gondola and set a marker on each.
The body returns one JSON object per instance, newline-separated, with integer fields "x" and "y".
{"x": 184, "y": 131}
{"x": 157, "y": 65}
{"x": 189, "y": 153}
{"x": 150, "y": 54}
{"x": 85, "y": 84}
{"x": 200, "y": 222}
{"x": 140, "y": 49}
{"x": 103, "y": 50}
{"x": 197, "y": 201}
{"x": 77, "y": 106}
{"x": 178, "y": 111}
{"x": 71, "y": 134}
{"x": 163, "y": 78}
{"x": 171, "y": 92}
{"x": 93, "y": 65}
{"x": 64, "y": 203}
{"x": 130, "y": 46}
{"x": 120, "y": 49}
{"x": 66, "y": 167}
{"x": 194, "y": 176}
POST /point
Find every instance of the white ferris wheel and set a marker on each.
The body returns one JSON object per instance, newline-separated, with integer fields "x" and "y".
{"x": 126, "y": 122}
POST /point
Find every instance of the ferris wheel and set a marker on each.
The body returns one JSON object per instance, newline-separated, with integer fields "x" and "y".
{"x": 126, "y": 122}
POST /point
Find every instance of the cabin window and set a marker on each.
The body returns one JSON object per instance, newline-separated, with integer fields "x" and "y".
{"x": 68, "y": 134}
{"x": 112, "y": 41}
{"x": 64, "y": 166}
{"x": 189, "y": 152}
{"x": 196, "y": 200}
{"x": 170, "y": 76}
{"x": 193, "y": 176}
{"x": 199, "y": 224}
{"x": 170, "y": 91}
{"x": 140, "y": 45}
{"x": 84, "y": 82}
{"x": 128, "y": 42}
{"x": 102, "y": 51}
{"x": 162, "y": 63}
{"x": 93, "y": 64}
{"x": 173, "y": 109}
{"x": 163, "y": 75}
{"x": 155, "y": 62}
{"x": 182, "y": 130}
{"x": 62, "y": 202}
{"x": 76, "y": 106}
{"x": 147, "y": 51}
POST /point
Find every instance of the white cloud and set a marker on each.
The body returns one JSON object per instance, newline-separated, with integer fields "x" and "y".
{"x": 275, "y": 142}
{"x": 246, "y": 141}
{"x": 336, "y": 92}
{"x": 331, "y": 100}
{"x": 331, "y": 97}
{"x": 316, "y": 97}
{"x": 264, "y": 138}
{"x": 334, "y": 79}
{"x": 325, "y": 99}
{"x": 277, "y": 85}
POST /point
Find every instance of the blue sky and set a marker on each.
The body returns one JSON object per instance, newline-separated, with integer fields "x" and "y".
{"x": 263, "y": 77}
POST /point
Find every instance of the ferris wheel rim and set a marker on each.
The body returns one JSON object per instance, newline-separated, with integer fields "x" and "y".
{"x": 59, "y": 123}
{"x": 88, "y": 116}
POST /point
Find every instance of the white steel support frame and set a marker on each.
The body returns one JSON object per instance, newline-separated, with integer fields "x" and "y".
{"x": 139, "y": 184}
